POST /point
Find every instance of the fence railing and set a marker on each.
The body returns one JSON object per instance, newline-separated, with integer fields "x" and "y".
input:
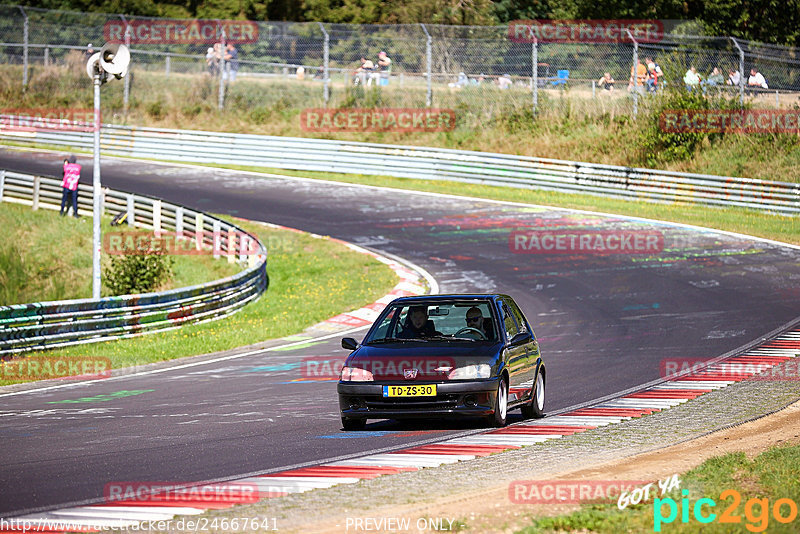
{"x": 43, "y": 325}
{"x": 430, "y": 63}
{"x": 429, "y": 164}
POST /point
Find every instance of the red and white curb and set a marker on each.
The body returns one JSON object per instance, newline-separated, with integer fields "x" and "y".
{"x": 657, "y": 398}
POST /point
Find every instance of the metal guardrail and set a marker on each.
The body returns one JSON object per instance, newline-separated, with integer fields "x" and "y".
{"x": 43, "y": 325}
{"x": 427, "y": 163}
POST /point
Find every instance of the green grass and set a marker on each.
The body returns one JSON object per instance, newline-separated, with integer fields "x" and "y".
{"x": 311, "y": 279}
{"x": 45, "y": 257}
{"x": 772, "y": 475}
{"x": 750, "y": 222}
{"x": 570, "y": 124}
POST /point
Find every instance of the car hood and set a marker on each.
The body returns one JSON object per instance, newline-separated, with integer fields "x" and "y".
{"x": 430, "y": 360}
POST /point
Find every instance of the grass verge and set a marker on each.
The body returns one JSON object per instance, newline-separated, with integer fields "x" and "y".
{"x": 45, "y": 257}
{"x": 760, "y": 484}
{"x": 311, "y": 279}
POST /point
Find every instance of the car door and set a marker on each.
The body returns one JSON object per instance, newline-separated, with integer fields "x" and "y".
{"x": 531, "y": 345}
{"x": 516, "y": 352}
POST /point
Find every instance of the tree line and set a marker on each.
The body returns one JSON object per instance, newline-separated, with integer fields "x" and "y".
{"x": 768, "y": 21}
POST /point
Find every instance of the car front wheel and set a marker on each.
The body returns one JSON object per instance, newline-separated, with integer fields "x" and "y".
{"x": 535, "y": 408}
{"x": 498, "y": 418}
{"x": 353, "y": 424}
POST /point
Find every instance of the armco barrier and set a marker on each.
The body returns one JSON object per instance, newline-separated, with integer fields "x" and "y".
{"x": 427, "y": 163}
{"x": 41, "y": 325}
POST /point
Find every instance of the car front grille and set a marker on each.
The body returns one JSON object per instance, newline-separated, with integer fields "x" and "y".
{"x": 440, "y": 402}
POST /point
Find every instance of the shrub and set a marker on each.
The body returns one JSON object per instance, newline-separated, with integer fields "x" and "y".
{"x": 659, "y": 146}
{"x": 137, "y": 273}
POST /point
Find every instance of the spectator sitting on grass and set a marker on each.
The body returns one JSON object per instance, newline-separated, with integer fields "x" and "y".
{"x": 504, "y": 81}
{"x": 756, "y": 79}
{"x": 691, "y": 79}
{"x": 734, "y": 78}
{"x": 715, "y": 78}
{"x": 606, "y": 82}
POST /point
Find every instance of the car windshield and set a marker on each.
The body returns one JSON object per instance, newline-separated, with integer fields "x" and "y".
{"x": 456, "y": 321}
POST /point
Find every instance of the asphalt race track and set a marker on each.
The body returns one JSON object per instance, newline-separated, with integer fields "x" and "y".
{"x": 605, "y": 323}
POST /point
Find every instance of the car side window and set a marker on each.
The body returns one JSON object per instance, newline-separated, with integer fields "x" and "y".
{"x": 383, "y": 328}
{"x": 518, "y": 316}
{"x": 509, "y": 324}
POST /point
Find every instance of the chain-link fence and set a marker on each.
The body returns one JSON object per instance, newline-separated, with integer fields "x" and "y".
{"x": 477, "y": 71}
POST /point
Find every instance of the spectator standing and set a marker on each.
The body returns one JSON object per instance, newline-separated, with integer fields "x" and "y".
{"x": 89, "y": 51}
{"x": 638, "y": 77}
{"x": 654, "y": 72}
{"x": 231, "y": 62}
{"x": 212, "y": 60}
{"x": 69, "y": 185}
{"x": 385, "y": 68}
{"x": 504, "y": 81}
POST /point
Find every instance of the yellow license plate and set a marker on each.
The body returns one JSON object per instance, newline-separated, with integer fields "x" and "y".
{"x": 427, "y": 390}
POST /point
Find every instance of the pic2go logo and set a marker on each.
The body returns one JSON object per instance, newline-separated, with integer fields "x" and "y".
{"x": 756, "y": 511}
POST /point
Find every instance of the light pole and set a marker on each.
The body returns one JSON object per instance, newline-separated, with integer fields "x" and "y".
{"x": 112, "y": 59}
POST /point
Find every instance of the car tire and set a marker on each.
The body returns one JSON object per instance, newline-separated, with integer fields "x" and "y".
{"x": 353, "y": 424}
{"x": 498, "y": 418}
{"x": 535, "y": 408}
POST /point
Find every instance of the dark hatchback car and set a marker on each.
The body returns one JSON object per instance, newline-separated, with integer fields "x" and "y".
{"x": 443, "y": 356}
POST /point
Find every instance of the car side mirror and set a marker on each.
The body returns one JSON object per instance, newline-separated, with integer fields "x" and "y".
{"x": 349, "y": 343}
{"x": 520, "y": 338}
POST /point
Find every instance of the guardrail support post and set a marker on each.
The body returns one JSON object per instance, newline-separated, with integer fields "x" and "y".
{"x": 2, "y": 183}
{"x": 198, "y": 231}
{"x": 741, "y": 70}
{"x": 231, "y": 245}
{"x": 216, "y": 239}
{"x": 244, "y": 243}
{"x": 428, "y": 68}
{"x": 24, "y": 49}
{"x": 157, "y": 218}
{"x": 326, "y": 92}
{"x": 179, "y": 222}
{"x": 131, "y": 210}
{"x": 167, "y": 64}
{"x": 47, "y": 56}
{"x": 37, "y": 184}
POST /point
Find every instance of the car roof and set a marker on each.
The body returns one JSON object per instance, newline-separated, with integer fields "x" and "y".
{"x": 448, "y": 297}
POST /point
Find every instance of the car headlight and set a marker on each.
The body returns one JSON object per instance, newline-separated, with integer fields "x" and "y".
{"x": 470, "y": 371}
{"x": 355, "y": 374}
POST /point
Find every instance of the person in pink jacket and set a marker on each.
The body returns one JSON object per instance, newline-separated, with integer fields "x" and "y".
{"x": 72, "y": 174}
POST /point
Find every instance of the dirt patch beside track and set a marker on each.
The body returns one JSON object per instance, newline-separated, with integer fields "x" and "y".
{"x": 491, "y": 510}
